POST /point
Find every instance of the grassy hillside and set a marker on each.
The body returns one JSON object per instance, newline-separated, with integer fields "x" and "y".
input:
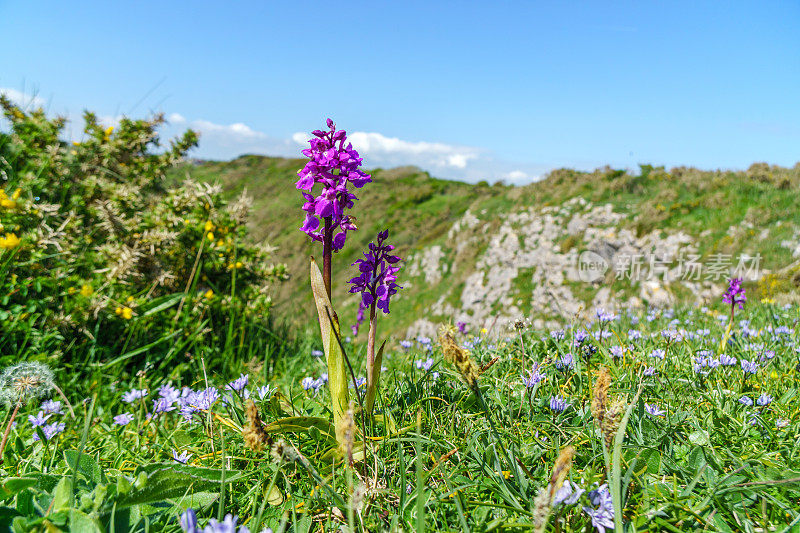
{"x": 718, "y": 212}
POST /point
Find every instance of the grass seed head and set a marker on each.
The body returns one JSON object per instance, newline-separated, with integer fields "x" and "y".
{"x": 458, "y": 356}
{"x": 600, "y": 396}
{"x": 253, "y": 432}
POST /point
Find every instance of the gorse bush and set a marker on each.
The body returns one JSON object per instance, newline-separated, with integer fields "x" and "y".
{"x": 92, "y": 240}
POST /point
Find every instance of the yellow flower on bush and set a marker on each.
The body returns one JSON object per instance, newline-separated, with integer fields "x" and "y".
{"x": 209, "y": 294}
{"x": 127, "y": 313}
{"x": 210, "y": 236}
{"x": 86, "y": 290}
{"x": 209, "y": 226}
{"x": 9, "y": 241}
{"x": 109, "y": 130}
{"x": 9, "y": 202}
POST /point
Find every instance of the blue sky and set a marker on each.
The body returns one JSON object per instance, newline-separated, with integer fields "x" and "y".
{"x": 469, "y": 90}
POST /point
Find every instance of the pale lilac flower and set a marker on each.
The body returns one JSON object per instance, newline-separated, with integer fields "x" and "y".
{"x": 658, "y": 353}
{"x": 406, "y": 345}
{"x": 749, "y": 367}
{"x": 51, "y": 407}
{"x": 764, "y": 400}
{"x": 557, "y": 334}
{"x": 317, "y": 353}
{"x": 746, "y": 400}
{"x": 239, "y": 383}
{"x": 51, "y": 430}
{"x": 654, "y": 410}
{"x": 568, "y": 494}
{"x": 264, "y": 392}
{"x": 727, "y": 360}
{"x": 534, "y": 376}
{"x": 162, "y": 405}
{"x": 558, "y": 404}
{"x": 182, "y": 458}
{"x": 649, "y": 371}
{"x": 462, "y": 327}
{"x": 424, "y": 364}
{"x": 123, "y": 420}
{"x": 133, "y": 395}
{"x": 634, "y": 334}
{"x": 188, "y": 521}
{"x": 580, "y": 336}
{"x": 566, "y": 361}
{"x": 617, "y": 351}
{"x": 205, "y": 399}
{"x": 602, "y": 510}
{"x": 38, "y": 420}
{"x": 782, "y": 422}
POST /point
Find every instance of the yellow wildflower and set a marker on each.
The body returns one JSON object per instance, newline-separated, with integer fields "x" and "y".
{"x": 109, "y": 130}
{"x": 209, "y": 294}
{"x": 129, "y": 299}
{"x": 210, "y": 236}
{"x": 239, "y": 264}
{"x": 16, "y": 194}
{"x": 86, "y": 290}
{"x": 9, "y": 241}
{"x": 127, "y": 313}
{"x": 118, "y": 310}
{"x": 209, "y": 226}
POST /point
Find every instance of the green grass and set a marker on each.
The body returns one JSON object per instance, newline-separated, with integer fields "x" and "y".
{"x": 431, "y": 455}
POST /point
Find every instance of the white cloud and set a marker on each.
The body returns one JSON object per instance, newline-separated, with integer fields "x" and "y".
{"x": 22, "y": 99}
{"x": 232, "y": 132}
{"x": 176, "y": 118}
{"x": 379, "y": 150}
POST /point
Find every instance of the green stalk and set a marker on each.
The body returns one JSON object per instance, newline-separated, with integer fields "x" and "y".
{"x": 616, "y": 468}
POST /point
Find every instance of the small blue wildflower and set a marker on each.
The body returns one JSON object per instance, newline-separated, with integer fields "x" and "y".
{"x": 317, "y": 353}
{"x": 182, "y": 458}
{"x": 568, "y": 494}
{"x": 123, "y": 420}
{"x": 51, "y": 430}
{"x": 534, "y": 376}
{"x": 406, "y": 344}
{"x": 746, "y": 400}
{"x": 649, "y": 371}
{"x": 658, "y": 353}
{"x": 565, "y": 362}
{"x": 654, "y": 410}
{"x": 264, "y": 392}
{"x": 602, "y": 510}
{"x": 133, "y": 395}
{"x": 424, "y": 364}
{"x": 239, "y": 383}
{"x": 558, "y": 404}
{"x": 51, "y": 407}
{"x": 749, "y": 367}
{"x": 38, "y": 420}
{"x": 764, "y": 400}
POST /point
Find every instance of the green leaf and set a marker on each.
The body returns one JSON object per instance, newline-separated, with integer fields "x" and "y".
{"x": 15, "y": 485}
{"x": 63, "y": 494}
{"x": 87, "y": 466}
{"x": 161, "y": 303}
{"x": 79, "y": 521}
{"x": 337, "y": 372}
{"x": 700, "y": 438}
{"x": 172, "y": 482}
{"x": 199, "y": 472}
